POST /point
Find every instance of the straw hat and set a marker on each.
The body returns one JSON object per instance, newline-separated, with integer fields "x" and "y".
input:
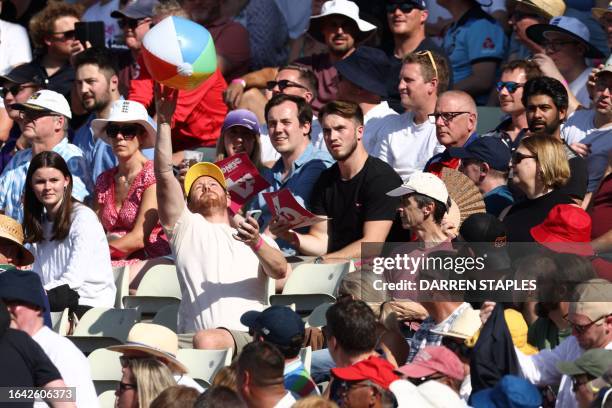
{"x": 156, "y": 340}
{"x": 11, "y": 230}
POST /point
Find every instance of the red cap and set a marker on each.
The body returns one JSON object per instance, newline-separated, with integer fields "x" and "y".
{"x": 564, "y": 228}
{"x": 376, "y": 369}
{"x": 434, "y": 359}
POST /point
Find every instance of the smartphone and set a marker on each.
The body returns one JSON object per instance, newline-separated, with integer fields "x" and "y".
{"x": 92, "y": 31}
{"x": 254, "y": 213}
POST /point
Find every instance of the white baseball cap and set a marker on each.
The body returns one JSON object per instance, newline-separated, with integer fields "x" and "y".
{"x": 46, "y": 100}
{"x": 423, "y": 183}
{"x": 124, "y": 111}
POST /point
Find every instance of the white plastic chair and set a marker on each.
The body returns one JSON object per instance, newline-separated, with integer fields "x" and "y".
{"x": 317, "y": 317}
{"x": 60, "y": 322}
{"x": 105, "y": 370}
{"x": 159, "y": 287}
{"x": 107, "y": 399}
{"x": 102, "y": 327}
{"x": 306, "y": 357}
{"x": 122, "y": 283}
{"x": 167, "y": 316}
{"x": 204, "y": 364}
{"x": 309, "y": 285}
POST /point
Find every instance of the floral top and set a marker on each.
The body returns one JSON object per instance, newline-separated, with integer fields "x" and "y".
{"x": 121, "y": 222}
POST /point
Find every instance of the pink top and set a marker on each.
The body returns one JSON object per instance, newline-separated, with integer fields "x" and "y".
{"x": 122, "y": 222}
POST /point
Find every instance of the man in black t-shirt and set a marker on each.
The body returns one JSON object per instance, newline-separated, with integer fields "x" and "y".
{"x": 351, "y": 193}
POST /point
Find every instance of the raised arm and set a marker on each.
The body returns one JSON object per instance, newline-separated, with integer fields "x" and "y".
{"x": 170, "y": 202}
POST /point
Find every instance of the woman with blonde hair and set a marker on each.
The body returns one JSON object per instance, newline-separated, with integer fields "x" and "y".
{"x": 539, "y": 169}
{"x": 142, "y": 381}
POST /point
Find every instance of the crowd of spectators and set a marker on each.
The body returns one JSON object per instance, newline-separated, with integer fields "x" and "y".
{"x": 438, "y": 130}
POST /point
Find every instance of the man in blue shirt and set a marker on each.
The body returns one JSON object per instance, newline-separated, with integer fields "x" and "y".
{"x": 486, "y": 162}
{"x": 475, "y": 44}
{"x": 289, "y": 120}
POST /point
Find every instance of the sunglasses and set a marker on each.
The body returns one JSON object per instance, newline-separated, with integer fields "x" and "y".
{"x": 431, "y": 60}
{"x": 282, "y": 84}
{"x": 404, "y": 7}
{"x": 582, "y": 328}
{"x": 459, "y": 348}
{"x": 126, "y": 386}
{"x": 29, "y": 114}
{"x": 15, "y": 89}
{"x": 128, "y": 132}
{"x": 130, "y": 23}
{"x": 555, "y": 46}
{"x": 509, "y": 85}
{"x": 447, "y": 117}
{"x": 519, "y": 157}
{"x": 518, "y": 15}
{"x": 65, "y": 35}
{"x": 577, "y": 382}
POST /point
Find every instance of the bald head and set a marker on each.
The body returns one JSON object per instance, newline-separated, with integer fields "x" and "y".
{"x": 462, "y": 100}
{"x": 457, "y": 119}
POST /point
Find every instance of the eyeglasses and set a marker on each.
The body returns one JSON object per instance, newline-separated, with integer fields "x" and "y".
{"x": 447, "y": 117}
{"x": 126, "y": 386}
{"x": 555, "y": 46}
{"x": 431, "y": 60}
{"x": 65, "y": 35}
{"x": 125, "y": 361}
{"x": 127, "y": 131}
{"x": 15, "y": 89}
{"x": 511, "y": 86}
{"x": 582, "y": 328}
{"x": 404, "y": 7}
{"x": 282, "y": 84}
{"x": 519, "y": 157}
{"x": 130, "y": 23}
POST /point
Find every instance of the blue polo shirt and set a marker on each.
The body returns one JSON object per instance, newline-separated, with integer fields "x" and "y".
{"x": 302, "y": 177}
{"x": 475, "y": 37}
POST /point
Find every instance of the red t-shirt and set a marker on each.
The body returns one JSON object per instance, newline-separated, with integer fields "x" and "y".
{"x": 199, "y": 113}
{"x": 327, "y": 76}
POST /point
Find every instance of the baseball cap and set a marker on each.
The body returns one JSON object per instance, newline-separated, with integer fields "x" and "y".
{"x": 594, "y": 362}
{"x": 546, "y": 8}
{"x": 607, "y": 67}
{"x": 434, "y": 359}
{"x": 593, "y": 299}
{"x": 241, "y": 117}
{"x": 136, "y": 10}
{"x": 203, "y": 169}
{"x": 24, "y": 73}
{"x": 376, "y": 369}
{"x": 491, "y": 150}
{"x": 569, "y": 26}
{"x": 483, "y": 227}
{"x": 277, "y": 324}
{"x": 22, "y": 286}
{"x": 46, "y": 100}
{"x": 423, "y": 183}
{"x": 510, "y": 391}
{"x": 465, "y": 326}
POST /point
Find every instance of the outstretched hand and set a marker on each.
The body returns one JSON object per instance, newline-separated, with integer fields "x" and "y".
{"x": 165, "y": 103}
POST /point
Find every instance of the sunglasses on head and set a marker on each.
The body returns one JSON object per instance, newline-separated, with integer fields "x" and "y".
{"x": 15, "y": 89}
{"x": 404, "y": 7}
{"x": 509, "y": 85}
{"x": 128, "y": 132}
{"x": 519, "y": 157}
{"x": 282, "y": 84}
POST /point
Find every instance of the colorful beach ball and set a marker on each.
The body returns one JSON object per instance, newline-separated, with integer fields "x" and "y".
{"x": 179, "y": 53}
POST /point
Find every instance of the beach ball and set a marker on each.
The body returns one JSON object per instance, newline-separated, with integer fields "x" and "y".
{"x": 179, "y": 53}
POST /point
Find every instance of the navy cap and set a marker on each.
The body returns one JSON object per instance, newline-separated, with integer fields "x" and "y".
{"x": 483, "y": 227}
{"x": 510, "y": 391}
{"x": 368, "y": 68}
{"x": 420, "y": 4}
{"x": 277, "y": 324}
{"x": 491, "y": 150}
{"x": 136, "y": 10}
{"x": 241, "y": 117}
{"x": 23, "y": 286}
{"x": 24, "y": 73}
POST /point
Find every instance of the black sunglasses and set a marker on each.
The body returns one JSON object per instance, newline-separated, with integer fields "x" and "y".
{"x": 282, "y": 84}
{"x": 447, "y": 117}
{"x": 509, "y": 85}
{"x": 65, "y": 35}
{"x": 404, "y": 7}
{"x": 132, "y": 23}
{"x": 582, "y": 328}
{"x": 15, "y": 89}
{"x": 127, "y": 131}
{"x": 519, "y": 157}
{"x": 126, "y": 386}
{"x": 459, "y": 348}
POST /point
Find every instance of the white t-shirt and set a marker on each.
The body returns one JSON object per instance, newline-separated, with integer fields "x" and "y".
{"x": 98, "y": 12}
{"x": 14, "y": 46}
{"x": 286, "y": 402}
{"x": 220, "y": 277}
{"x": 580, "y": 125}
{"x": 406, "y": 146}
{"x": 579, "y": 88}
{"x": 72, "y": 365}
{"x": 373, "y": 122}
{"x": 81, "y": 260}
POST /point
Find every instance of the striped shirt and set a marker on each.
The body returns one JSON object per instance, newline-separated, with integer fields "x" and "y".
{"x": 12, "y": 180}
{"x": 298, "y": 380}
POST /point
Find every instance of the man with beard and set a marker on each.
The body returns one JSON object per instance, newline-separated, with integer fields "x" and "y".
{"x": 97, "y": 87}
{"x": 589, "y": 131}
{"x": 546, "y": 101}
{"x": 339, "y": 28}
{"x": 222, "y": 262}
{"x": 351, "y": 193}
{"x": 231, "y": 39}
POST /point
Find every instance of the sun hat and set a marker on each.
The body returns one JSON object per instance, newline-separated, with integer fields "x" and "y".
{"x": 571, "y": 27}
{"x": 153, "y": 339}
{"x": 203, "y": 169}
{"x": 593, "y": 362}
{"x": 465, "y": 325}
{"x": 491, "y": 150}
{"x": 423, "y": 183}
{"x": 345, "y": 8}
{"x": 545, "y": 8}
{"x": 368, "y": 68}
{"x": 11, "y": 230}
{"x": 124, "y": 111}
{"x": 566, "y": 229}
{"x": 46, "y": 100}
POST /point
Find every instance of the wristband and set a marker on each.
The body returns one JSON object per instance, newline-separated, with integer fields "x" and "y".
{"x": 239, "y": 81}
{"x": 258, "y": 245}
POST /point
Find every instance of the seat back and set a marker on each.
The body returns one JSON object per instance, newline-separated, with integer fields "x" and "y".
{"x": 107, "y": 399}
{"x": 204, "y": 364}
{"x": 102, "y": 327}
{"x": 317, "y": 317}
{"x": 105, "y": 370}
{"x": 488, "y": 118}
{"x": 159, "y": 287}
{"x": 167, "y": 317}
{"x": 122, "y": 283}
{"x": 306, "y": 357}
{"x": 315, "y": 279}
